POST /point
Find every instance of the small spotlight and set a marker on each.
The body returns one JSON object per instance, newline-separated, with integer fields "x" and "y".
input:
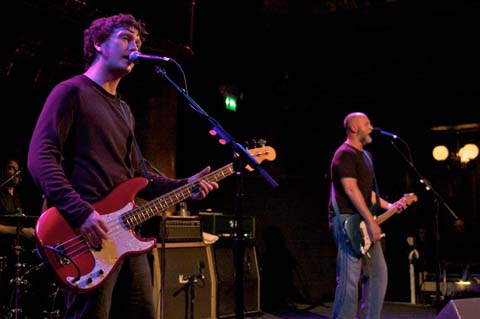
{"x": 231, "y": 96}
{"x": 467, "y": 153}
{"x": 440, "y": 153}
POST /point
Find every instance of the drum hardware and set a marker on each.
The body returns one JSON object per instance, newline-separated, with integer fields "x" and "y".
{"x": 53, "y": 312}
{"x": 40, "y": 297}
{"x": 23, "y": 279}
{"x": 17, "y": 281}
{"x": 20, "y": 221}
{"x": 3, "y": 278}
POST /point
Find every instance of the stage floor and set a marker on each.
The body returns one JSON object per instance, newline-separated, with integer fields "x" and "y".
{"x": 391, "y": 310}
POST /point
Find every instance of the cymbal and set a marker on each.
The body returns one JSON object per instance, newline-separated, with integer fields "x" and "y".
{"x": 18, "y": 219}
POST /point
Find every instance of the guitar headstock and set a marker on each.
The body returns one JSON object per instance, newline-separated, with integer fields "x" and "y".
{"x": 409, "y": 198}
{"x": 262, "y": 153}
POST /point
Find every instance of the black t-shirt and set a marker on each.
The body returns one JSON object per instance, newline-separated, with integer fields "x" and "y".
{"x": 350, "y": 162}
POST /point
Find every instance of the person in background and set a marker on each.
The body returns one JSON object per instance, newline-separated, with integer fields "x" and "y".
{"x": 11, "y": 202}
{"x": 353, "y": 191}
{"x": 16, "y": 232}
{"x": 83, "y": 147}
{"x": 458, "y": 250}
{"x": 426, "y": 249}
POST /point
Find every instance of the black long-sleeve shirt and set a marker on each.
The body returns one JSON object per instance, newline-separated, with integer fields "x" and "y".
{"x": 82, "y": 148}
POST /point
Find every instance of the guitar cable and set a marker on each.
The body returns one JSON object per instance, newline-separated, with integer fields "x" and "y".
{"x": 77, "y": 277}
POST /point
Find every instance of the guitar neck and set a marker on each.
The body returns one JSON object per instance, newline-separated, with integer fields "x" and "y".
{"x": 155, "y": 207}
{"x": 399, "y": 205}
{"x": 389, "y": 213}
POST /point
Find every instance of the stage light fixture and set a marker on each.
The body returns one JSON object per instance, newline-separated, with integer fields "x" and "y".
{"x": 467, "y": 153}
{"x": 457, "y": 144}
{"x": 440, "y": 153}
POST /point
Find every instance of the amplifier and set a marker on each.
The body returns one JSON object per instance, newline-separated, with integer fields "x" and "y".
{"x": 223, "y": 225}
{"x": 178, "y": 229}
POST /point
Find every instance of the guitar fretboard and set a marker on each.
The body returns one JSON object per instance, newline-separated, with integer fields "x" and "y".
{"x": 153, "y": 208}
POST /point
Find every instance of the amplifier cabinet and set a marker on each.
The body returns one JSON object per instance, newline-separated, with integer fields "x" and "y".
{"x": 224, "y": 225}
{"x": 189, "y": 271}
{"x": 225, "y": 269}
{"x": 177, "y": 228}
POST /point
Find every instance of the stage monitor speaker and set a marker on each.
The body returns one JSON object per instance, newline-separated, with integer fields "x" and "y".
{"x": 225, "y": 270}
{"x": 468, "y": 308}
{"x": 189, "y": 271}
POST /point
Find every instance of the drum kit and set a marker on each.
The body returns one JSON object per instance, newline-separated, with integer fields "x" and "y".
{"x": 27, "y": 290}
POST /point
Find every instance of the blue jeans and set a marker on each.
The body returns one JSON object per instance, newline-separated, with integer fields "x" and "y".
{"x": 371, "y": 271}
{"x": 126, "y": 294}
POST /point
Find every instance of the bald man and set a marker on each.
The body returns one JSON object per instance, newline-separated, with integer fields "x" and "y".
{"x": 353, "y": 192}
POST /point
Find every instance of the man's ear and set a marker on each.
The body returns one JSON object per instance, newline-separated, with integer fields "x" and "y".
{"x": 98, "y": 47}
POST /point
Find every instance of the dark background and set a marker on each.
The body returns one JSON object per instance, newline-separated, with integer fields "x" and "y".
{"x": 299, "y": 67}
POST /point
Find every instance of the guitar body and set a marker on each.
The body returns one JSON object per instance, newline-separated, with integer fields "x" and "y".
{"x": 79, "y": 267}
{"x": 82, "y": 268}
{"x": 355, "y": 229}
{"x": 357, "y": 234}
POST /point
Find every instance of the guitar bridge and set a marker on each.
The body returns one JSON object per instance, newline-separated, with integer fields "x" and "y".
{"x": 61, "y": 255}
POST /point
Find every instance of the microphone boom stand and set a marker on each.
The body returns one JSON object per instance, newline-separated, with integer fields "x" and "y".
{"x": 239, "y": 153}
{"x": 437, "y": 199}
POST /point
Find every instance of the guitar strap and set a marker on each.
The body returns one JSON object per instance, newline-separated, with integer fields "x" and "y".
{"x": 143, "y": 166}
{"x": 339, "y": 229}
{"x": 368, "y": 160}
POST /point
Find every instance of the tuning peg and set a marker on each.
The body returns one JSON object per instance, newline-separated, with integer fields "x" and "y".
{"x": 262, "y": 142}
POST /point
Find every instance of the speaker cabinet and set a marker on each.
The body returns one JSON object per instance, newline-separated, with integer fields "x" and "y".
{"x": 225, "y": 270}
{"x": 468, "y": 308}
{"x": 189, "y": 272}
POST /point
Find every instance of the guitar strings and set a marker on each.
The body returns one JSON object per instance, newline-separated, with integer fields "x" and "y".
{"x": 78, "y": 245}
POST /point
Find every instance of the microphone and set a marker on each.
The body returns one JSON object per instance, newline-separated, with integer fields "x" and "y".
{"x": 137, "y": 57}
{"x": 17, "y": 173}
{"x": 379, "y": 131}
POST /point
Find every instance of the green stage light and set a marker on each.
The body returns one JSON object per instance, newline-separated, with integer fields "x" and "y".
{"x": 231, "y": 102}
